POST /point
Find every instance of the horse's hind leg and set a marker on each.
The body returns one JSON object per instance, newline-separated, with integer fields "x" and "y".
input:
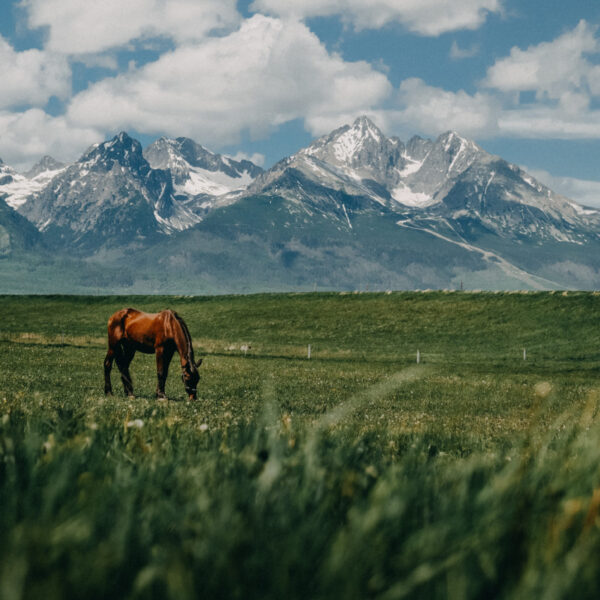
{"x": 108, "y": 362}
{"x": 163, "y": 358}
{"x": 124, "y": 357}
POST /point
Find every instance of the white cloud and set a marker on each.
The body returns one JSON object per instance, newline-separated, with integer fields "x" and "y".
{"x": 583, "y": 191}
{"x": 265, "y": 74}
{"x": 433, "y": 110}
{"x": 550, "y": 69}
{"x": 31, "y": 77}
{"x": 256, "y": 157}
{"x": 76, "y": 27}
{"x": 458, "y": 53}
{"x": 29, "y": 135}
{"x": 426, "y": 17}
{"x": 565, "y": 82}
{"x": 545, "y": 122}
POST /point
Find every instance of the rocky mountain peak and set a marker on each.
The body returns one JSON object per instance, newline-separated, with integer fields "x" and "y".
{"x": 361, "y": 147}
{"x": 452, "y": 143}
{"x": 417, "y": 147}
{"x": 357, "y": 143}
{"x": 367, "y": 128}
{"x": 45, "y": 164}
{"x": 197, "y": 171}
{"x": 121, "y": 149}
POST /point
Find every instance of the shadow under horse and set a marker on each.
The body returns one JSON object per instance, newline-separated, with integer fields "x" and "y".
{"x": 163, "y": 334}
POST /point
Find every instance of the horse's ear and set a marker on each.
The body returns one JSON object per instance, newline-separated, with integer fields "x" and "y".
{"x": 198, "y": 363}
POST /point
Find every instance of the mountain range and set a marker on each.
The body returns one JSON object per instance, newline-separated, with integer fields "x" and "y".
{"x": 353, "y": 210}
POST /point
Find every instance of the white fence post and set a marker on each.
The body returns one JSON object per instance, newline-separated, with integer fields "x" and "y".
{"x": 524, "y": 354}
{"x": 309, "y": 351}
{"x": 418, "y": 356}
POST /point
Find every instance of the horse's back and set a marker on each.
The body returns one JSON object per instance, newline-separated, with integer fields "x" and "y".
{"x": 145, "y": 330}
{"x": 118, "y": 321}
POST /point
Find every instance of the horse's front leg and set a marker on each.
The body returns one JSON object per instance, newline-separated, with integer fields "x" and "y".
{"x": 108, "y": 362}
{"x": 163, "y": 359}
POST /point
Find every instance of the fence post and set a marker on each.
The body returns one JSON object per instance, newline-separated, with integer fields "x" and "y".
{"x": 309, "y": 351}
{"x": 524, "y": 354}
{"x": 418, "y": 356}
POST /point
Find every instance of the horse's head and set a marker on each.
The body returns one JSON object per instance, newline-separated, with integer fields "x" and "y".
{"x": 191, "y": 377}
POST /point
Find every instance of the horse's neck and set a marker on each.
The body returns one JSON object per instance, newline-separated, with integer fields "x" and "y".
{"x": 184, "y": 345}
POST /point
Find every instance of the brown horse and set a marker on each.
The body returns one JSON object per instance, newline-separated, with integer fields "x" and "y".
{"x": 160, "y": 333}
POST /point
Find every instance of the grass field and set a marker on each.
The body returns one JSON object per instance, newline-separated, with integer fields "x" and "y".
{"x": 355, "y": 474}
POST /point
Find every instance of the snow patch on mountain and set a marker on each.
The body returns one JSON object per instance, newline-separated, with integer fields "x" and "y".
{"x": 584, "y": 210}
{"x": 404, "y": 195}
{"x": 347, "y": 144}
{"x": 197, "y": 171}
{"x": 411, "y": 166}
{"x": 16, "y": 188}
{"x": 213, "y": 183}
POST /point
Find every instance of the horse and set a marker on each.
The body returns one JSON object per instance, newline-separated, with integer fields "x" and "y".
{"x": 160, "y": 333}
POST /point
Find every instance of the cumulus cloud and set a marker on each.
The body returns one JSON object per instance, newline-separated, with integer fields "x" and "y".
{"x": 223, "y": 77}
{"x": 561, "y": 76}
{"x": 564, "y": 81}
{"x": 256, "y": 157}
{"x": 75, "y": 27}
{"x": 31, "y": 77}
{"x": 29, "y": 135}
{"x": 432, "y": 110}
{"x": 264, "y": 74}
{"x": 550, "y": 69}
{"x": 426, "y": 17}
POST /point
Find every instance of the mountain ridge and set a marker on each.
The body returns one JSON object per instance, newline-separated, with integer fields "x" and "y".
{"x": 351, "y": 198}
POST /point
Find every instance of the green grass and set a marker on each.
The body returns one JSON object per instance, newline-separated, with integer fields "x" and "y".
{"x": 355, "y": 474}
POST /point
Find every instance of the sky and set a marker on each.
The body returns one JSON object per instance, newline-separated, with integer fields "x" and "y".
{"x": 260, "y": 79}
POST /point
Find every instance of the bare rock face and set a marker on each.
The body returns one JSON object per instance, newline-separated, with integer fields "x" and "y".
{"x": 202, "y": 179}
{"x": 110, "y": 194}
{"x": 115, "y": 195}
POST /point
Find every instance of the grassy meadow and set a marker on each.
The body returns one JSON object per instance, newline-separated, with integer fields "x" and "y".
{"x": 354, "y": 474}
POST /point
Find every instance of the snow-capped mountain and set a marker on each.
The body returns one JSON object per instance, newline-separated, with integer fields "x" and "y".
{"x": 448, "y": 184}
{"x": 357, "y": 160}
{"x": 353, "y": 208}
{"x": 16, "y": 187}
{"x": 110, "y": 193}
{"x": 198, "y": 172}
{"x": 117, "y": 192}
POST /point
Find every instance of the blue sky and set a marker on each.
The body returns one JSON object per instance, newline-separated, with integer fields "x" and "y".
{"x": 262, "y": 78}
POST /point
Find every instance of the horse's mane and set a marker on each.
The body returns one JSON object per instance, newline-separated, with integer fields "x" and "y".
{"x": 188, "y": 338}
